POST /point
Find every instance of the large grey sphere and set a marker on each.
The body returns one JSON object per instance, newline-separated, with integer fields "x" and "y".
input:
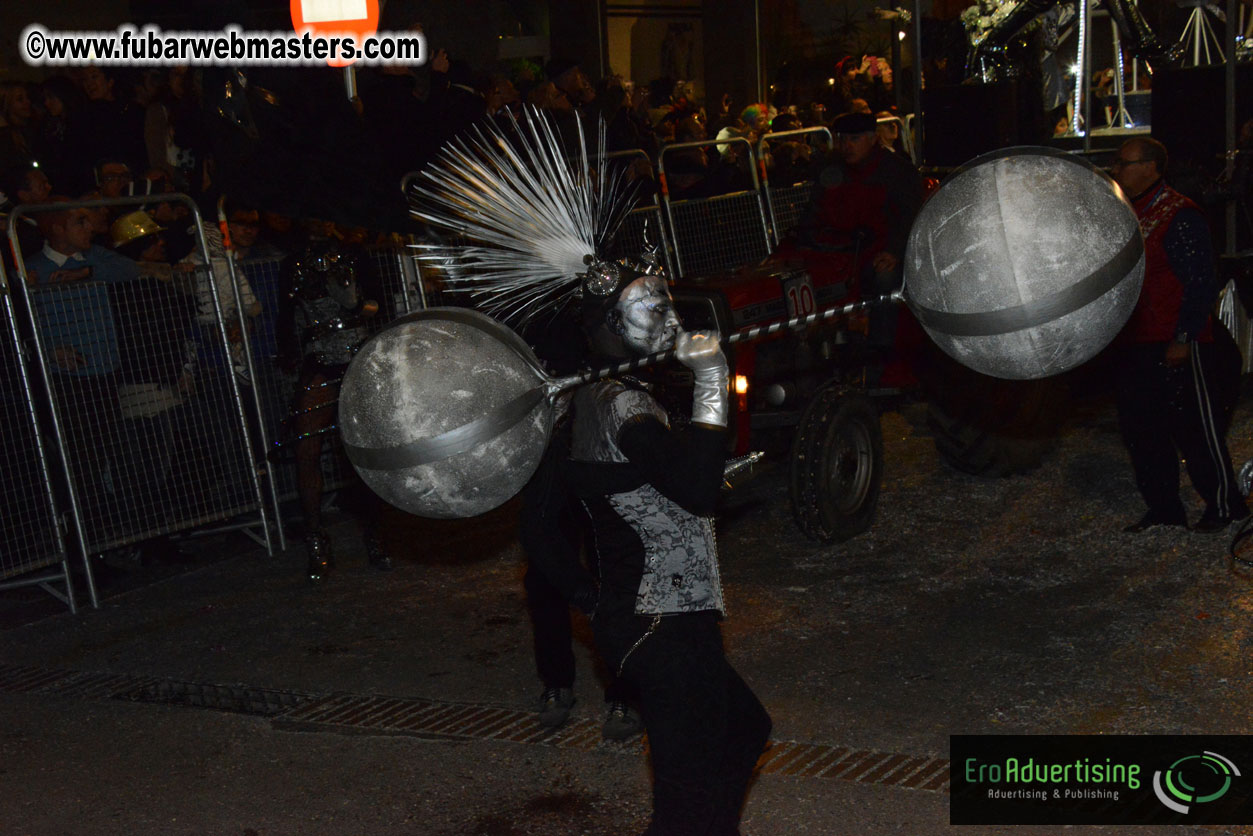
{"x": 1025, "y": 263}
{"x": 443, "y": 415}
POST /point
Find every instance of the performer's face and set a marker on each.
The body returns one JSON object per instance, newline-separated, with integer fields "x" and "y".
{"x": 645, "y": 316}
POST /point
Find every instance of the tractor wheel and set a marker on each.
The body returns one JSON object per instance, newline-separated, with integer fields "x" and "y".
{"x": 990, "y": 427}
{"x": 836, "y": 465}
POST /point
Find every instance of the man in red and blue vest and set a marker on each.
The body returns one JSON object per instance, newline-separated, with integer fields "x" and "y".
{"x": 1178, "y": 367}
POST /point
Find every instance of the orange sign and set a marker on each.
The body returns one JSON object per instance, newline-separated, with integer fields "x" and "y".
{"x": 357, "y": 18}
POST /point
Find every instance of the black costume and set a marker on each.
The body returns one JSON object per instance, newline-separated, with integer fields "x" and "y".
{"x": 650, "y": 494}
{"x": 323, "y": 324}
{"x": 539, "y": 221}
{"x": 552, "y": 526}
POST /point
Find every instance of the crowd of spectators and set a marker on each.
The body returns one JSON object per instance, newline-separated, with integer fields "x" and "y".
{"x": 103, "y": 132}
{"x": 123, "y": 293}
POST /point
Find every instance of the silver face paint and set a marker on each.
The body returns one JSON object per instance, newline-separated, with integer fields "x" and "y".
{"x": 647, "y": 320}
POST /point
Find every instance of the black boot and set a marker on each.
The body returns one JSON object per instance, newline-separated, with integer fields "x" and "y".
{"x": 319, "y": 547}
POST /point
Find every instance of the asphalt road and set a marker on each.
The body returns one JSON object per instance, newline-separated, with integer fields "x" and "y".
{"x": 223, "y": 694}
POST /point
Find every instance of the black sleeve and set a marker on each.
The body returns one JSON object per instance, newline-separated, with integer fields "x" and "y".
{"x": 686, "y": 468}
{"x": 1191, "y": 255}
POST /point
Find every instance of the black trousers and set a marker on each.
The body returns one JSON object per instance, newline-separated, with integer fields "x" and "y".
{"x": 706, "y": 728}
{"x": 553, "y": 637}
{"x": 1164, "y": 412}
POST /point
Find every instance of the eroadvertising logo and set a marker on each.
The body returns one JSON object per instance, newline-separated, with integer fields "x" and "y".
{"x": 1099, "y": 779}
{"x": 1211, "y": 771}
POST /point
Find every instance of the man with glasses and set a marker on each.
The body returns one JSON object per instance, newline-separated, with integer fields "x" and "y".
{"x": 1178, "y": 366}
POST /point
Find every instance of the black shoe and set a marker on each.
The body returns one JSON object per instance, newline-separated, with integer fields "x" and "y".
{"x": 1152, "y": 519}
{"x": 622, "y": 722}
{"x": 554, "y": 707}
{"x": 319, "y": 548}
{"x": 1212, "y": 523}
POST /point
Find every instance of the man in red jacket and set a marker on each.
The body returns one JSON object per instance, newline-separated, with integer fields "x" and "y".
{"x": 1174, "y": 373}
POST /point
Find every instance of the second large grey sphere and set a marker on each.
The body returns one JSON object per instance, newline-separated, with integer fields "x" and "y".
{"x": 1014, "y": 228}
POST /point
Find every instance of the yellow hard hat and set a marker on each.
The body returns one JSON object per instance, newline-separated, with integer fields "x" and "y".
{"x": 132, "y": 227}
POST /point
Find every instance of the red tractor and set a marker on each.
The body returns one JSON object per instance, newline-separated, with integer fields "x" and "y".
{"x": 821, "y": 390}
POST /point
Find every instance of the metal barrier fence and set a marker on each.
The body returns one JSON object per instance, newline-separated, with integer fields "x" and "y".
{"x": 395, "y": 264}
{"x": 144, "y": 378}
{"x": 786, "y": 202}
{"x": 31, "y": 538}
{"x": 643, "y": 224}
{"x": 716, "y": 233}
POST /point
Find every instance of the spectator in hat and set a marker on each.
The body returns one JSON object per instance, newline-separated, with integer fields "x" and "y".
{"x": 858, "y": 219}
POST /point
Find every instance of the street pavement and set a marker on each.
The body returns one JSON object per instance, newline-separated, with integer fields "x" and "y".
{"x": 222, "y": 693}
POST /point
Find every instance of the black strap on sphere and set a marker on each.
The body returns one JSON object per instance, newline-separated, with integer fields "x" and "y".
{"x": 467, "y": 436}
{"x": 450, "y": 443}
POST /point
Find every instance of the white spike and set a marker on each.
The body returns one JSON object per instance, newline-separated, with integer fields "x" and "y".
{"x": 528, "y": 215}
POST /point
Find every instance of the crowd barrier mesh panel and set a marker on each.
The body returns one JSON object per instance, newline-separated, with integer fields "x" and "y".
{"x": 395, "y": 295}
{"x": 28, "y": 533}
{"x": 789, "y": 203}
{"x": 718, "y": 233}
{"x": 641, "y": 223}
{"x": 141, "y": 382}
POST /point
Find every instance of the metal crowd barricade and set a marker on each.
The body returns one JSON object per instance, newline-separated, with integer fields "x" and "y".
{"x": 716, "y": 233}
{"x": 416, "y": 283}
{"x": 32, "y": 541}
{"x": 143, "y": 379}
{"x": 393, "y": 261}
{"x": 786, "y": 202}
{"x": 643, "y": 223}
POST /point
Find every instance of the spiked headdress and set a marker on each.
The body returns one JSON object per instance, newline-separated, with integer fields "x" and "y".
{"x": 534, "y": 222}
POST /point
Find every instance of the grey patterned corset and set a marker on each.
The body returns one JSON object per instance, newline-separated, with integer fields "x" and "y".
{"x": 680, "y": 554}
{"x": 328, "y": 331}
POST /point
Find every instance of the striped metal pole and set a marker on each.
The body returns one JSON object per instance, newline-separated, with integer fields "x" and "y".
{"x": 747, "y": 335}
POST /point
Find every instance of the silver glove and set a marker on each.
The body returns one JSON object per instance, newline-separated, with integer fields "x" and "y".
{"x": 701, "y": 351}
